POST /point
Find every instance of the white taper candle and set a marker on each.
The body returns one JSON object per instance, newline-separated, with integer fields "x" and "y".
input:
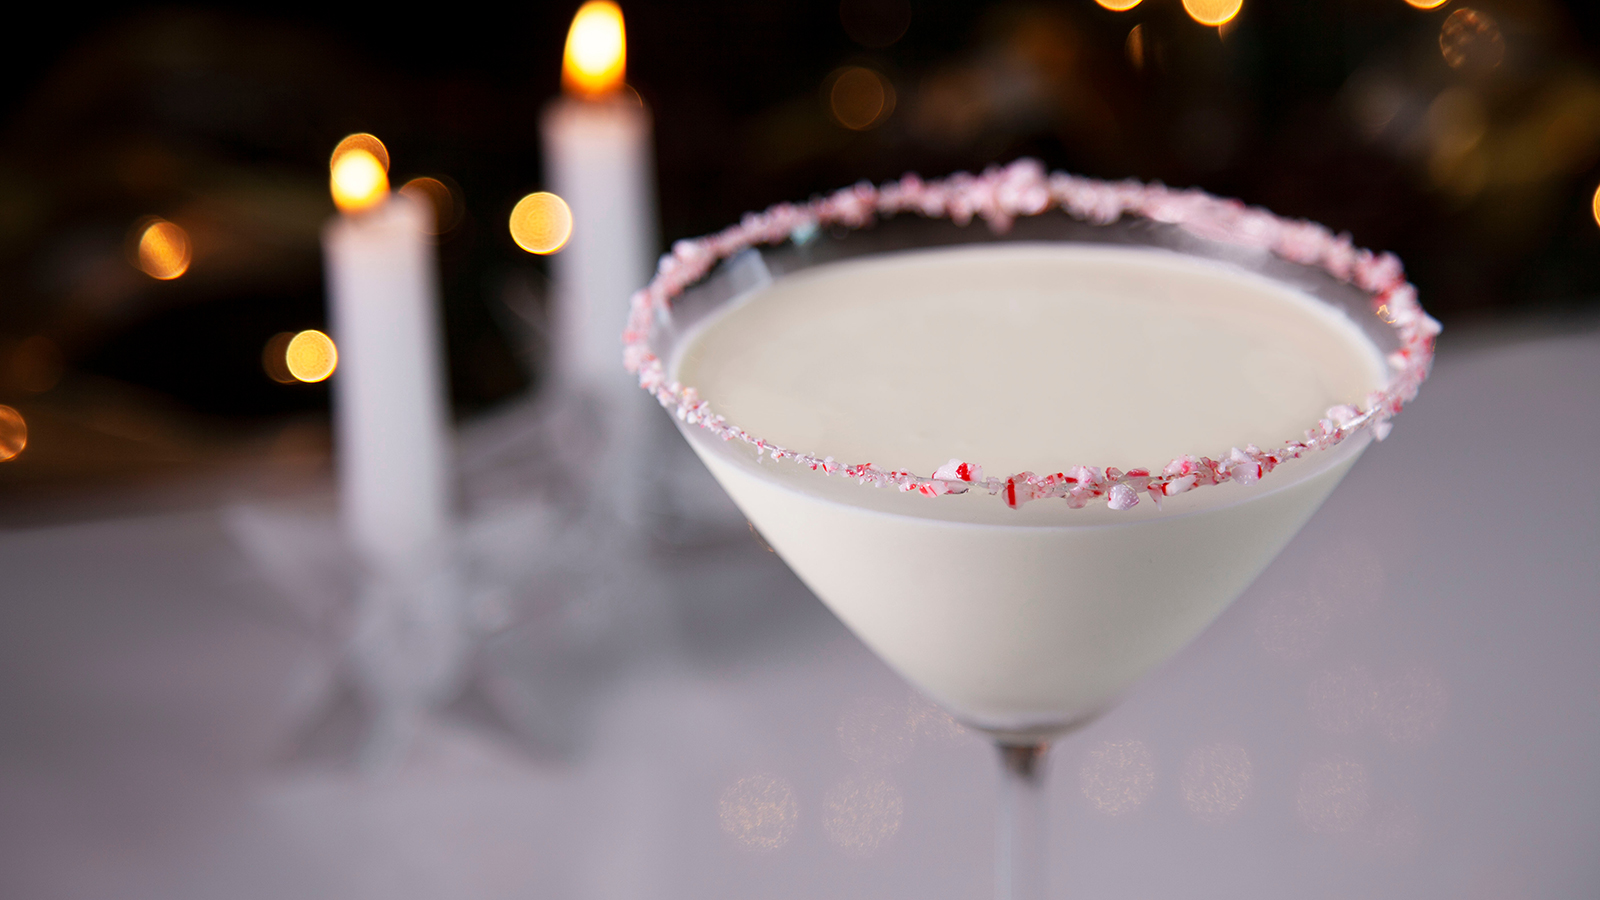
{"x": 390, "y": 408}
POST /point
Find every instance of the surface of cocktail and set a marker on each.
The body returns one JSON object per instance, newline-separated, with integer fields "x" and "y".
{"x": 1024, "y": 620}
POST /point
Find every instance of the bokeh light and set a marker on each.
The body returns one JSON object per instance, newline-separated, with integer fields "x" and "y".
{"x": 311, "y": 356}
{"x": 541, "y": 223}
{"x": 1212, "y": 12}
{"x": 1595, "y": 207}
{"x": 358, "y": 182}
{"x": 360, "y": 141}
{"x": 1470, "y": 38}
{"x": 759, "y": 812}
{"x": 164, "y": 252}
{"x": 1427, "y": 4}
{"x": 275, "y": 358}
{"x": 1118, "y": 776}
{"x": 596, "y": 58}
{"x": 860, "y": 98}
{"x": 1118, "y": 5}
{"x": 439, "y": 197}
{"x": 13, "y": 433}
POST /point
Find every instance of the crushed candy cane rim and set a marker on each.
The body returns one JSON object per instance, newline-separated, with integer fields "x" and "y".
{"x": 1024, "y": 188}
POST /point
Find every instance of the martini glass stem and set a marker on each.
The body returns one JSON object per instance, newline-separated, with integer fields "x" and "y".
{"x": 1021, "y": 864}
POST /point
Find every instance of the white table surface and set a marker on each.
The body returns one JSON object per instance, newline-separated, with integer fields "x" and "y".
{"x": 1430, "y": 732}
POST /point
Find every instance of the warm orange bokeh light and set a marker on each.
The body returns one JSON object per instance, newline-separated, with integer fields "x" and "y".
{"x": 541, "y": 223}
{"x": 13, "y": 433}
{"x": 1212, "y": 12}
{"x": 860, "y": 98}
{"x": 1597, "y": 206}
{"x": 1118, "y": 5}
{"x": 359, "y": 181}
{"x": 360, "y": 141}
{"x": 596, "y": 58}
{"x": 311, "y": 356}
{"x": 1427, "y": 4}
{"x": 164, "y": 251}
{"x": 439, "y": 197}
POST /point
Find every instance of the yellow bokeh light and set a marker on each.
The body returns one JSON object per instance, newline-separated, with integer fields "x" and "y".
{"x": 1212, "y": 12}
{"x": 1118, "y": 5}
{"x": 596, "y": 57}
{"x": 860, "y": 98}
{"x": 1427, "y": 4}
{"x": 13, "y": 433}
{"x": 311, "y": 356}
{"x": 164, "y": 251}
{"x": 360, "y": 141}
{"x": 359, "y": 181}
{"x": 1597, "y": 206}
{"x": 541, "y": 223}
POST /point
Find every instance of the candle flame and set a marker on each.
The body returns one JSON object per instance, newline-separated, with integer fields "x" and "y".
{"x": 13, "y": 433}
{"x": 596, "y": 57}
{"x": 541, "y": 223}
{"x": 311, "y": 356}
{"x": 164, "y": 252}
{"x": 359, "y": 181}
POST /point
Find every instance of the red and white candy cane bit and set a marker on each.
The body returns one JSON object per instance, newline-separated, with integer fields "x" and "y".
{"x": 956, "y": 470}
{"x": 1024, "y": 188}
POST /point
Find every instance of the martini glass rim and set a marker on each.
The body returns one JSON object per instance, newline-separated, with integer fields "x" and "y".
{"x": 1002, "y": 196}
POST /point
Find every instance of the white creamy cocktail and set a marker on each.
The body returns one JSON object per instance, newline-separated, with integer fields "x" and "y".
{"x": 1022, "y": 621}
{"x": 1027, "y": 463}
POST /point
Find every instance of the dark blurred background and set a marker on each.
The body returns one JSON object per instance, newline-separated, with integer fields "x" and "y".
{"x": 1465, "y": 137}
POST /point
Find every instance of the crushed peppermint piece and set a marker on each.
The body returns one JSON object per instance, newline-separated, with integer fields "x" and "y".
{"x": 1121, "y": 497}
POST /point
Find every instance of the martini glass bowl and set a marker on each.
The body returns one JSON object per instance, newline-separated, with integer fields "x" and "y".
{"x": 1026, "y": 604}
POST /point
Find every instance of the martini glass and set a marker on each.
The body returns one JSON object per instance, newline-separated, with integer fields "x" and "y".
{"x": 1024, "y": 623}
